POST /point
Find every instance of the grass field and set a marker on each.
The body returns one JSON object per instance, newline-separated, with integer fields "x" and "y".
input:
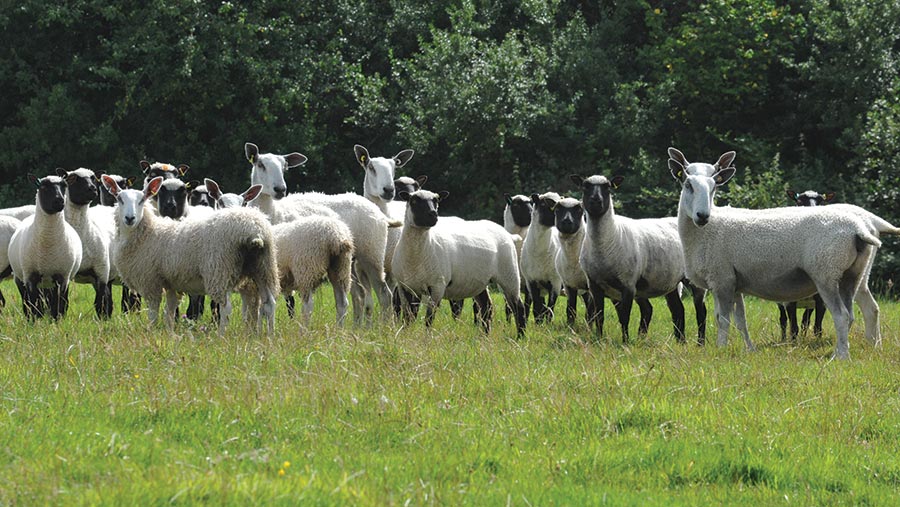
{"x": 114, "y": 413}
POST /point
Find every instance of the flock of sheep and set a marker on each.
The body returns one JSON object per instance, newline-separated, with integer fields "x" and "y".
{"x": 177, "y": 238}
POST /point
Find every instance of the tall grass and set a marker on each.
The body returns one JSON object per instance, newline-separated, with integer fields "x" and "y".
{"x": 116, "y": 413}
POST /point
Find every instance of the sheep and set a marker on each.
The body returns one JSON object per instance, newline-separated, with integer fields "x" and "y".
{"x": 631, "y": 259}
{"x": 366, "y": 222}
{"x": 568, "y": 219}
{"x": 45, "y": 251}
{"x": 131, "y": 301}
{"x": 517, "y": 220}
{"x": 154, "y": 254}
{"x": 162, "y": 169}
{"x": 172, "y": 200}
{"x": 780, "y": 254}
{"x": 309, "y": 249}
{"x": 19, "y": 212}
{"x": 106, "y": 199}
{"x": 8, "y": 226}
{"x": 199, "y": 196}
{"x": 788, "y": 311}
{"x": 539, "y": 255}
{"x": 95, "y": 234}
{"x": 456, "y": 259}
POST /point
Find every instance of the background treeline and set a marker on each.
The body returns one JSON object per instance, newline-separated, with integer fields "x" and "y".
{"x": 494, "y": 95}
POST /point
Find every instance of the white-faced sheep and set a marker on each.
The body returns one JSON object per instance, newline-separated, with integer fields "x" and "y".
{"x": 8, "y": 226}
{"x": 154, "y": 254}
{"x": 456, "y": 259}
{"x": 787, "y": 312}
{"x": 309, "y": 250}
{"x": 45, "y": 251}
{"x": 569, "y": 221}
{"x": 780, "y": 254}
{"x": 539, "y": 249}
{"x": 131, "y": 301}
{"x": 96, "y": 236}
{"x": 628, "y": 260}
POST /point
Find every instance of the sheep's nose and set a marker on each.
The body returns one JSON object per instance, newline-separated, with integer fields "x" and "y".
{"x": 432, "y": 212}
{"x": 280, "y": 191}
{"x": 129, "y": 220}
{"x": 702, "y": 218}
{"x": 388, "y": 192}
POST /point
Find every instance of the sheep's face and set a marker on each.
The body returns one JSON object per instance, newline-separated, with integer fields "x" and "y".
{"x": 597, "y": 194}
{"x": 543, "y": 208}
{"x": 520, "y": 207}
{"x": 130, "y": 203}
{"x": 82, "y": 186}
{"x": 568, "y": 214}
{"x": 408, "y": 185}
{"x": 223, "y": 200}
{"x": 268, "y": 169}
{"x": 106, "y": 199}
{"x": 810, "y": 198}
{"x": 51, "y": 193}
{"x": 162, "y": 170}
{"x": 378, "y": 184}
{"x": 172, "y": 198}
{"x": 422, "y": 207}
{"x": 698, "y": 189}
{"x": 199, "y": 196}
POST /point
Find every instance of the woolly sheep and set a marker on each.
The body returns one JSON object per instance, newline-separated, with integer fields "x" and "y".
{"x": 455, "y": 259}
{"x": 19, "y": 212}
{"x": 629, "y": 259}
{"x": 161, "y": 169}
{"x": 537, "y": 265}
{"x": 199, "y": 196}
{"x": 105, "y": 214}
{"x": 154, "y": 254}
{"x": 95, "y": 234}
{"x": 780, "y": 254}
{"x": 45, "y": 251}
{"x": 106, "y": 199}
{"x": 569, "y": 219}
{"x": 517, "y": 220}
{"x": 8, "y": 226}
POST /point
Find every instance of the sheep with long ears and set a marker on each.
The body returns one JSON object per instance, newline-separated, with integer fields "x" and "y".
{"x": 780, "y": 254}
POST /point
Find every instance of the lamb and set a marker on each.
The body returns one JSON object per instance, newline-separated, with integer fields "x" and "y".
{"x": 199, "y": 196}
{"x": 517, "y": 220}
{"x": 309, "y": 249}
{"x": 539, "y": 255}
{"x": 95, "y": 234}
{"x": 8, "y": 226}
{"x": 131, "y": 301}
{"x": 568, "y": 219}
{"x": 45, "y": 252}
{"x": 366, "y": 222}
{"x": 788, "y": 311}
{"x": 780, "y": 254}
{"x": 456, "y": 259}
{"x": 19, "y": 212}
{"x": 172, "y": 200}
{"x": 631, "y": 259}
{"x": 154, "y": 254}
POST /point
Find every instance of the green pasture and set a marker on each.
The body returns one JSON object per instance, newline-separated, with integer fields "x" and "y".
{"x": 115, "y": 413}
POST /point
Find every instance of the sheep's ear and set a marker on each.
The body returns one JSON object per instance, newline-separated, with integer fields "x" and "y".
{"x": 403, "y": 157}
{"x": 421, "y": 179}
{"x": 508, "y": 198}
{"x": 129, "y": 182}
{"x": 111, "y": 186}
{"x": 677, "y": 170}
{"x": 677, "y": 156}
{"x": 252, "y": 152}
{"x": 828, "y": 196}
{"x": 295, "y": 159}
{"x": 192, "y": 184}
{"x": 213, "y": 188}
{"x": 62, "y": 173}
{"x": 725, "y": 160}
{"x": 251, "y": 193}
{"x": 723, "y": 176}
{"x": 34, "y": 180}
{"x": 442, "y": 195}
{"x": 182, "y": 169}
{"x": 792, "y": 195}
{"x": 145, "y": 166}
{"x": 152, "y": 187}
{"x": 403, "y": 195}
{"x": 535, "y": 198}
{"x": 616, "y": 181}
{"x": 362, "y": 155}
{"x": 576, "y": 179}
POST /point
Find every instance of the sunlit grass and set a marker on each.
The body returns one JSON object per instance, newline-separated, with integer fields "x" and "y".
{"x": 115, "y": 413}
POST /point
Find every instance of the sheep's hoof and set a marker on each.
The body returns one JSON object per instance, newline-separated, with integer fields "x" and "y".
{"x": 845, "y": 355}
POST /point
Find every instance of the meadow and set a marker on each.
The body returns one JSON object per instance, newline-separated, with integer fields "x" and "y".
{"x": 115, "y": 413}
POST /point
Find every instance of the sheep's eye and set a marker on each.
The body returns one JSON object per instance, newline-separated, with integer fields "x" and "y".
{"x": 688, "y": 186}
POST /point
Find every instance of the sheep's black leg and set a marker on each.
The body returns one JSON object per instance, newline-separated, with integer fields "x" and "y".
{"x": 792, "y": 318}
{"x": 820, "y": 314}
{"x": 131, "y": 301}
{"x": 107, "y": 300}
{"x": 100, "y": 297}
{"x": 571, "y": 305}
{"x": 456, "y": 308}
{"x": 528, "y": 304}
{"x": 646, "y": 315}
{"x": 700, "y": 310}
{"x": 195, "y": 306}
{"x": 396, "y": 303}
{"x": 289, "y": 299}
{"x": 597, "y": 294}
{"x": 431, "y": 310}
{"x": 783, "y": 321}
{"x": 624, "y": 312}
{"x": 482, "y": 309}
{"x": 2, "y": 300}
{"x": 534, "y": 288}
{"x": 673, "y": 299}
{"x": 63, "y": 297}
{"x": 25, "y": 292}
{"x": 519, "y": 311}
{"x": 55, "y": 297}
{"x": 552, "y": 296}
{"x": 590, "y": 309}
